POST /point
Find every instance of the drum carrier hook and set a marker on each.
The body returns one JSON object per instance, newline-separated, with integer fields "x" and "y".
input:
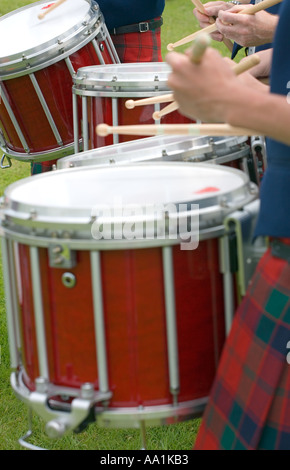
{"x": 9, "y": 164}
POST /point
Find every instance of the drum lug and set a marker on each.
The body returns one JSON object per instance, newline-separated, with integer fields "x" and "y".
{"x": 61, "y": 256}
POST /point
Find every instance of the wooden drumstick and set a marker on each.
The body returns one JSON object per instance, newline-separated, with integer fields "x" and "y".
{"x": 168, "y": 109}
{"x": 217, "y": 130}
{"x": 198, "y": 48}
{"x": 200, "y": 7}
{"x": 251, "y": 10}
{"x": 48, "y": 10}
{"x": 130, "y": 104}
{"x": 246, "y": 64}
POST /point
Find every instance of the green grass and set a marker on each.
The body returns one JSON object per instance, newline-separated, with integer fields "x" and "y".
{"x": 178, "y": 22}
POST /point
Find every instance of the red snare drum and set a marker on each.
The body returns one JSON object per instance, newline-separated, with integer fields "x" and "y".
{"x": 104, "y": 92}
{"x": 37, "y": 61}
{"x": 115, "y": 310}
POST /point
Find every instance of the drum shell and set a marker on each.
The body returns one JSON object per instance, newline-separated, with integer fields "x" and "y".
{"x": 134, "y": 315}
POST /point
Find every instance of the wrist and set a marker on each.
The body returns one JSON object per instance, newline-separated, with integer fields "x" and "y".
{"x": 243, "y": 112}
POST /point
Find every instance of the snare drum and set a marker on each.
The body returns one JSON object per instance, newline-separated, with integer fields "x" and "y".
{"x": 130, "y": 327}
{"x": 37, "y": 61}
{"x": 229, "y": 151}
{"x": 103, "y": 92}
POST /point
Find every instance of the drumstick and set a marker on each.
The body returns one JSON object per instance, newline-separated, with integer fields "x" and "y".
{"x": 246, "y": 64}
{"x": 200, "y": 7}
{"x": 168, "y": 109}
{"x": 217, "y": 130}
{"x": 198, "y": 49}
{"x": 239, "y": 68}
{"x": 251, "y": 10}
{"x": 48, "y": 10}
{"x": 130, "y": 104}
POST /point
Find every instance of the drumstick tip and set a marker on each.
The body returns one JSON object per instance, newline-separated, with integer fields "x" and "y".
{"x": 170, "y": 47}
{"x": 103, "y": 130}
{"x": 156, "y": 116}
{"x": 41, "y": 16}
{"x": 130, "y": 104}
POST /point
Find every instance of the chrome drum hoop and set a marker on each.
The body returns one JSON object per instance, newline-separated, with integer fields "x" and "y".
{"x": 167, "y": 148}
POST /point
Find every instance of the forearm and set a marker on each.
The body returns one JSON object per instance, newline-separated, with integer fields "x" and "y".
{"x": 267, "y": 113}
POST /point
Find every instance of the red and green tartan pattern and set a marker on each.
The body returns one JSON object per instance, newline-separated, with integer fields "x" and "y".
{"x": 130, "y": 47}
{"x": 139, "y": 47}
{"x": 249, "y": 405}
{"x": 42, "y": 167}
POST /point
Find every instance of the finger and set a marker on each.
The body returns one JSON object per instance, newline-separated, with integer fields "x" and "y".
{"x": 176, "y": 60}
{"x": 231, "y": 18}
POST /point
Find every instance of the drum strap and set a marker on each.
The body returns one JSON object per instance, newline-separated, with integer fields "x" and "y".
{"x": 138, "y": 27}
{"x": 280, "y": 249}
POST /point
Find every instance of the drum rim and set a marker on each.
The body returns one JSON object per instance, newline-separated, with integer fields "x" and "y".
{"x": 54, "y": 50}
{"x": 35, "y": 218}
{"x": 117, "y": 153}
{"x": 46, "y": 155}
{"x": 93, "y": 77}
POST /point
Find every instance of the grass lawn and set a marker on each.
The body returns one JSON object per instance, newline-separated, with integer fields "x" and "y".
{"x": 178, "y": 22}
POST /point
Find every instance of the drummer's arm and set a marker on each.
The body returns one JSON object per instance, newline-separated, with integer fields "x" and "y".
{"x": 210, "y": 91}
{"x": 268, "y": 114}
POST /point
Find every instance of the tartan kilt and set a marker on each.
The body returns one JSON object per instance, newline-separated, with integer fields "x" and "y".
{"x": 130, "y": 47}
{"x": 139, "y": 47}
{"x": 249, "y": 404}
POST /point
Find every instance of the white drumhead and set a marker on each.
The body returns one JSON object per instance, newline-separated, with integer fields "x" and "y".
{"x": 21, "y": 30}
{"x": 77, "y": 191}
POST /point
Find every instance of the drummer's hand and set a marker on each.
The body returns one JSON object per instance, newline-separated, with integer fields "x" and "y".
{"x": 247, "y": 30}
{"x": 203, "y": 91}
{"x": 212, "y": 10}
{"x": 263, "y": 69}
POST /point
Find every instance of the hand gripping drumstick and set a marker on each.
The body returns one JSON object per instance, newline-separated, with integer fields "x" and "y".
{"x": 48, "y": 10}
{"x": 201, "y": 9}
{"x": 212, "y": 28}
{"x": 197, "y": 51}
{"x": 214, "y": 130}
{"x": 243, "y": 66}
